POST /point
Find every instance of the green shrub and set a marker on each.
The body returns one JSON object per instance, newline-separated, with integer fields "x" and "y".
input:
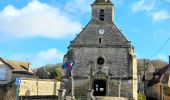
{"x": 141, "y": 96}
{"x": 166, "y": 90}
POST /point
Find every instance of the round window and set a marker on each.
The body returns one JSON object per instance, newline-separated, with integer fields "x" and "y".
{"x": 100, "y": 61}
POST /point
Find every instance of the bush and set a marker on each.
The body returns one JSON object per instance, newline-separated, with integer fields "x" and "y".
{"x": 141, "y": 96}
{"x": 166, "y": 90}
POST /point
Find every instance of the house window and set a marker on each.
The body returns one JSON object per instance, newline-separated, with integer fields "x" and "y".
{"x": 3, "y": 72}
{"x": 101, "y": 16}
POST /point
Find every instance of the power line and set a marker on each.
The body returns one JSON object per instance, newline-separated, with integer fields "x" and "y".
{"x": 161, "y": 48}
{"x": 77, "y": 15}
{"x": 69, "y": 12}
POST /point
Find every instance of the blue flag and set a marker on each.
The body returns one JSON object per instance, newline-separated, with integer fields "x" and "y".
{"x": 65, "y": 66}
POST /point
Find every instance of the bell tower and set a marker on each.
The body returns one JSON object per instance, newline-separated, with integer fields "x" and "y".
{"x": 103, "y": 57}
{"x": 103, "y": 10}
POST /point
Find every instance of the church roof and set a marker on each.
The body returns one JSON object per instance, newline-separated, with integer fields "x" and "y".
{"x": 102, "y": 2}
{"x": 89, "y": 36}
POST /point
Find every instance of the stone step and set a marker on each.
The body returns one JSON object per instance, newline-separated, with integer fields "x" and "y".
{"x": 110, "y": 98}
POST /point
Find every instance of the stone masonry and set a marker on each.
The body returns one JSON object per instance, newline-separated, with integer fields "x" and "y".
{"x": 103, "y": 54}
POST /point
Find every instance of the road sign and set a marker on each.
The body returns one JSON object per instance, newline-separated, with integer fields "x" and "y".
{"x": 18, "y": 81}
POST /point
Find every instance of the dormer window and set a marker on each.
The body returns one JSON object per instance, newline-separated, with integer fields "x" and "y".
{"x": 101, "y": 16}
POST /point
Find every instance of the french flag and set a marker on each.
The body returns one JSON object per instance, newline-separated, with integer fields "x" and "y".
{"x": 69, "y": 67}
{"x": 71, "y": 73}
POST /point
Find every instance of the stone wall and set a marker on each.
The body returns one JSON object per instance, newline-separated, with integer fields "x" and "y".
{"x": 154, "y": 91}
{"x": 126, "y": 88}
{"x": 81, "y": 87}
{"x": 8, "y": 91}
{"x": 33, "y": 87}
{"x": 116, "y": 61}
{"x": 109, "y": 12}
{"x": 110, "y": 98}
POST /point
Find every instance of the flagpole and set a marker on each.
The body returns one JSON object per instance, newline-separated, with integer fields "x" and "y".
{"x": 72, "y": 90}
{"x": 69, "y": 66}
{"x": 17, "y": 87}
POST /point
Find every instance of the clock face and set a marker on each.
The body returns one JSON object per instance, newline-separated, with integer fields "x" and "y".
{"x": 101, "y": 31}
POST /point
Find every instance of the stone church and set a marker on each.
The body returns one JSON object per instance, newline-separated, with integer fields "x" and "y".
{"x": 105, "y": 59}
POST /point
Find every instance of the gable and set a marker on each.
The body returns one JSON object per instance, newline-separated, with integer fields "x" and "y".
{"x": 17, "y": 66}
{"x": 5, "y": 72}
{"x": 4, "y": 64}
{"x": 90, "y": 36}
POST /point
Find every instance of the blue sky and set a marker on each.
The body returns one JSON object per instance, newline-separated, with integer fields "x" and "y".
{"x": 39, "y": 31}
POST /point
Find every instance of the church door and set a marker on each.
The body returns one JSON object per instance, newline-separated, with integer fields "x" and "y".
{"x": 99, "y": 87}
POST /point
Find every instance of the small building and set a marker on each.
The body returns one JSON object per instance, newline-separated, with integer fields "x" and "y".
{"x": 154, "y": 87}
{"x": 145, "y": 76}
{"x": 166, "y": 80}
{"x": 10, "y": 69}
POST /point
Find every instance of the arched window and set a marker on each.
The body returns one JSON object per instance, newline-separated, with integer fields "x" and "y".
{"x": 101, "y": 16}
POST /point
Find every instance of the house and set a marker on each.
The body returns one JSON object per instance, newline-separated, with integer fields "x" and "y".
{"x": 166, "y": 79}
{"x": 10, "y": 69}
{"x": 145, "y": 76}
{"x": 154, "y": 87}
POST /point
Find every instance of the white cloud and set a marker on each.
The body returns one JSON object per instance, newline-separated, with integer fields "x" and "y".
{"x": 50, "y": 56}
{"x": 150, "y": 8}
{"x": 79, "y": 6}
{"x": 142, "y": 5}
{"x": 160, "y": 15}
{"x": 36, "y": 20}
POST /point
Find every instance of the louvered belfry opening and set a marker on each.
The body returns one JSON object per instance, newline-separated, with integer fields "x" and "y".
{"x": 101, "y": 17}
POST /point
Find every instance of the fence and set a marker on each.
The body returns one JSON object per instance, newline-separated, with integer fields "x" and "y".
{"x": 8, "y": 91}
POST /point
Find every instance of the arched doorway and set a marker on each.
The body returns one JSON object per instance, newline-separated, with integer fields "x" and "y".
{"x": 99, "y": 87}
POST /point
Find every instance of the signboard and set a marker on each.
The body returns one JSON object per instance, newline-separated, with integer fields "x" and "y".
{"x": 18, "y": 81}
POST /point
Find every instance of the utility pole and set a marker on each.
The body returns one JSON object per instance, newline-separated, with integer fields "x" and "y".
{"x": 169, "y": 61}
{"x": 72, "y": 92}
{"x": 144, "y": 77}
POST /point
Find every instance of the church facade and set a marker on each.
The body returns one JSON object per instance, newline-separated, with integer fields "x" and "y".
{"x": 105, "y": 59}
